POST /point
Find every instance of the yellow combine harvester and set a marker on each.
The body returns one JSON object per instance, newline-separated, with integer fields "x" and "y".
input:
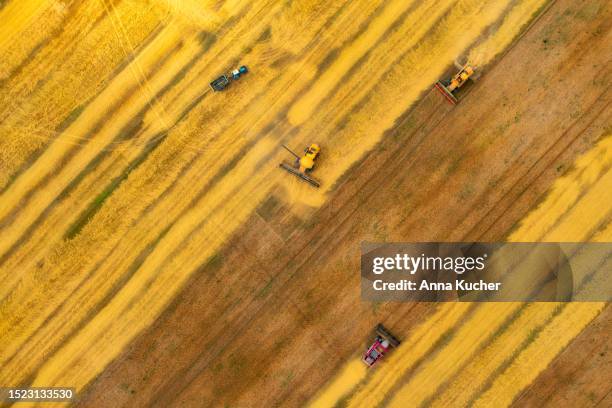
{"x": 304, "y": 164}
{"x": 457, "y": 81}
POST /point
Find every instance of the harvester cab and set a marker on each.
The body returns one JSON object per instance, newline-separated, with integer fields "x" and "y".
{"x": 307, "y": 161}
{"x": 382, "y": 343}
{"x": 449, "y": 87}
{"x": 223, "y": 81}
{"x": 303, "y": 164}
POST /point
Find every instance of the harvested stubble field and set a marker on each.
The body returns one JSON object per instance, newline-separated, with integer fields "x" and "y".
{"x": 152, "y": 253}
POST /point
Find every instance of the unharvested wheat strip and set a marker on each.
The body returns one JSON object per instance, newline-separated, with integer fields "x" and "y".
{"x": 405, "y": 357}
{"x": 302, "y": 109}
{"x": 564, "y": 195}
{"x": 453, "y": 355}
{"x": 549, "y": 343}
{"x": 485, "y": 363}
{"x": 520, "y": 15}
{"x": 575, "y": 224}
{"x": 349, "y": 377}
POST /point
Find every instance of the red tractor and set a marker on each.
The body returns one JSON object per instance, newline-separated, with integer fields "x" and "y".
{"x": 383, "y": 342}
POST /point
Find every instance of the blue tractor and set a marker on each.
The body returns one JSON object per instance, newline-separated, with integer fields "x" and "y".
{"x": 223, "y": 81}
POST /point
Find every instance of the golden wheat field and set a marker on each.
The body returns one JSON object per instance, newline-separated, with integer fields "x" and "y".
{"x": 152, "y": 253}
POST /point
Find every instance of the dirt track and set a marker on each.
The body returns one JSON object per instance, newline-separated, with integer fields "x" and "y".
{"x": 247, "y": 266}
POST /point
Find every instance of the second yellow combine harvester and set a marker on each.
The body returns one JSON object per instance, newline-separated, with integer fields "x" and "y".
{"x": 449, "y": 87}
